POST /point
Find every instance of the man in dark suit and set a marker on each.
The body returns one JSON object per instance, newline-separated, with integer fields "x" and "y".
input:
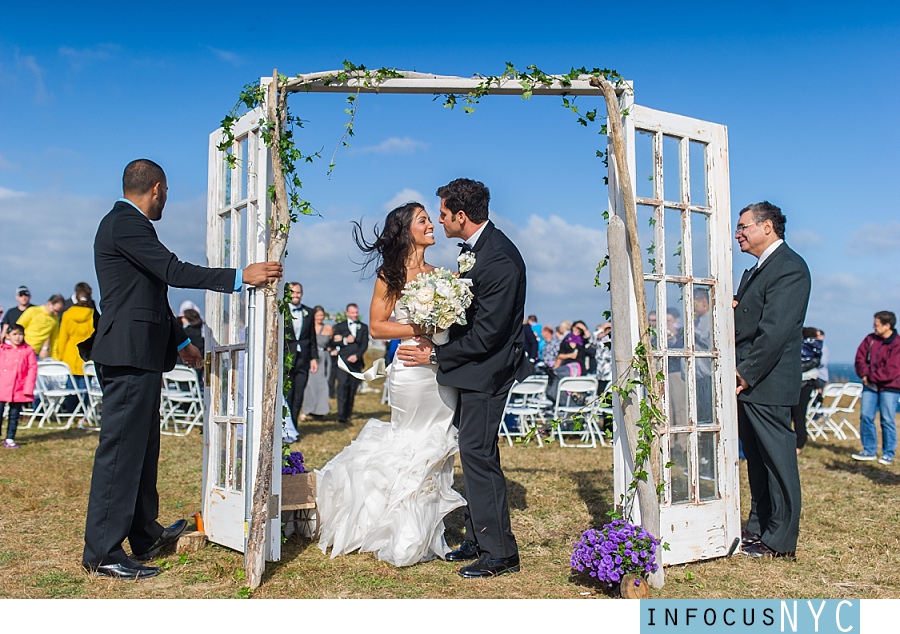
{"x": 300, "y": 342}
{"x": 482, "y": 360}
{"x": 351, "y": 339}
{"x": 769, "y": 310}
{"x": 137, "y": 339}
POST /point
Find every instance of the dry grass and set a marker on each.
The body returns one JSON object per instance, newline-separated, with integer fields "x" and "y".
{"x": 849, "y": 534}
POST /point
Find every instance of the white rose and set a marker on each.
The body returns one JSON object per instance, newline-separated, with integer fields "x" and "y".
{"x": 425, "y": 295}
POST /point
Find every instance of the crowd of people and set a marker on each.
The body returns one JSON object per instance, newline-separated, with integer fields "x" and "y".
{"x": 54, "y": 330}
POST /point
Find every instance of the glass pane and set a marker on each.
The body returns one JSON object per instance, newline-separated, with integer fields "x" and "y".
{"x": 675, "y": 316}
{"x": 700, "y": 244}
{"x": 702, "y": 318}
{"x": 652, "y": 314}
{"x": 646, "y": 219}
{"x": 226, "y": 263}
{"x": 705, "y": 404}
{"x": 678, "y": 403}
{"x": 672, "y": 168}
{"x": 240, "y": 378}
{"x": 242, "y": 169}
{"x": 674, "y": 255}
{"x": 226, "y": 180}
{"x": 223, "y": 384}
{"x": 698, "y": 173}
{"x": 237, "y": 455}
{"x": 238, "y": 310}
{"x": 707, "y": 442}
{"x": 643, "y": 154}
{"x": 679, "y": 473}
{"x": 221, "y": 436}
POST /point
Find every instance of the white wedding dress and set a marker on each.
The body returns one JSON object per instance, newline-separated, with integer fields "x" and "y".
{"x": 388, "y": 491}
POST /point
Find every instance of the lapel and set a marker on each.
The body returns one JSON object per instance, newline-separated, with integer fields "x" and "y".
{"x": 482, "y": 241}
{"x": 747, "y": 279}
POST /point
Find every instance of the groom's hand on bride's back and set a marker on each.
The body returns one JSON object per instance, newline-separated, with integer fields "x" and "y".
{"x": 418, "y": 354}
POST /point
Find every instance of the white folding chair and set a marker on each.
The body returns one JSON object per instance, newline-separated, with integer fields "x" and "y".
{"x": 574, "y": 403}
{"x": 539, "y": 400}
{"x": 853, "y": 392}
{"x": 819, "y": 416}
{"x": 181, "y": 403}
{"x": 94, "y": 397}
{"x": 57, "y": 384}
{"x": 519, "y": 404}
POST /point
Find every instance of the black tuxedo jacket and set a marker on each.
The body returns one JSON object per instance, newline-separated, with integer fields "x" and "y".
{"x": 358, "y": 347}
{"x": 489, "y": 350}
{"x": 767, "y": 323}
{"x": 306, "y": 340}
{"x": 134, "y": 269}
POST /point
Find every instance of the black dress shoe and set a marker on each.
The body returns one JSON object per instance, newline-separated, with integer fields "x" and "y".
{"x": 748, "y": 538}
{"x": 467, "y": 551}
{"x": 490, "y": 567}
{"x": 169, "y": 536}
{"x": 127, "y": 569}
{"x": 760, "y": 551}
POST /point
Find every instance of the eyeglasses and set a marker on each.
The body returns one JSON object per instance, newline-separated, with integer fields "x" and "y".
{"x": 742, "y": 228}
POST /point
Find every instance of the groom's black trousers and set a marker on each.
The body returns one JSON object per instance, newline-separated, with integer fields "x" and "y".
{"x": 123, "y": 500}
{"x": 487, "y": 514}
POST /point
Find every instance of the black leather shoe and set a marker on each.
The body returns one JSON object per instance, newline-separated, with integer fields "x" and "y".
{"x": 127, "y": 569}
{"x": 467, "y": 551}
{"x": 748, "y": 538}
{"x": 169, "y": 536}
{"x": 490, "y": 567}
{"x": 760, "y": 551}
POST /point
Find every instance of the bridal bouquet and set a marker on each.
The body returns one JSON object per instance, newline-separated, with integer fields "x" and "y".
{"x": 437, "y": 300}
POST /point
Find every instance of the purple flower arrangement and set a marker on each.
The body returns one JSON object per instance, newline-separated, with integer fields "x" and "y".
{"x": 292, "y": 463}
{"x": 616, "y": 550}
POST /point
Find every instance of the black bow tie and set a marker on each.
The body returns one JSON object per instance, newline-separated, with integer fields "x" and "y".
{"x": 464, "y": 246}
{"x": 352, "y": 322}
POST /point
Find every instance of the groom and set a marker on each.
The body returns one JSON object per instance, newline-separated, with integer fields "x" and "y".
{"x": 482, "y": 359}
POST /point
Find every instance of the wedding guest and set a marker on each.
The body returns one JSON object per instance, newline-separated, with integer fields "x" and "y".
{"x": 23, "y": 303}
{"x": 300, "y": 343}
{"x": 18, "y": 372}
{"x": 878, "y": 365}
{"x": 77, "y": 325}
{"x": 537, "y": 329}
{"x": 570, "y": 359}
{"x": 810, "y": 358}
{"x": 823, "y": 363}
{"x": 351, "y": 338}
{"x": 531, "y": 342}
{"x": 80, "y": 289}
{"x": 551, "y": 348}
{"x": 602, "y": 344}
{"x": 315, "y": 400}
{"x": 41, "y": 325}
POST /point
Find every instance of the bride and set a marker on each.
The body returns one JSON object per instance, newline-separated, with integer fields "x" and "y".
{"x": 388, "y": 491}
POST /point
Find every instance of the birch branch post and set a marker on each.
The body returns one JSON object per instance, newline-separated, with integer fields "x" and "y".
{"x": 254, "y": 561}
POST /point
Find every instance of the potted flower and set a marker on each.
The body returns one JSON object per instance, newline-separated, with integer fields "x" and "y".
{"x": 298, "y": 486}
{"x": 619, "y": 554}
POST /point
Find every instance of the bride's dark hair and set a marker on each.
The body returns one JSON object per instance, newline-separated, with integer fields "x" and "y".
{"x": 390, "y": 247}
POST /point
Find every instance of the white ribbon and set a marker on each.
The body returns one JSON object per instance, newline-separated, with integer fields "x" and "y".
{"x": 377, "y": 370}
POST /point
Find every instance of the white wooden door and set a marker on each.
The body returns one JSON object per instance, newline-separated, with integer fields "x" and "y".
{"x": 680, "y": 168}
{"x": 237, "y": 235}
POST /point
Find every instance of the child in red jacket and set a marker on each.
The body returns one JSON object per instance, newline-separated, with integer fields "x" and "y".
{"x": 18, "y": 372}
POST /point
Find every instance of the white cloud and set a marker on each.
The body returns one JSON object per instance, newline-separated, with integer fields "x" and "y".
{"x": 9, "y": 194}
{"x": 80, "y": 57}
{"x": 402, "y": 197}
{"x": 392, "y": 145}
{"x": 805, "y": 239}
{"x": 226, "y": 56}
{"x": 876, "y": 240}
{"x": 29, "y": 63}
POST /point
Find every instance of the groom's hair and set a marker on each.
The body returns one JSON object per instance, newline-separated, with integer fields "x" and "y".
{"x": 466, "y": 195}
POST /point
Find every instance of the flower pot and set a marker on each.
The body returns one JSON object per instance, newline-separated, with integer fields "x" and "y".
{"x": 628, "y": 589}
{"x": 298, "y": 491}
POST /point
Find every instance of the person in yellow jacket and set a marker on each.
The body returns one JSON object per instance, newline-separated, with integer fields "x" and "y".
{"x": 41, "y": 324}
{"x": 76, "y": 326}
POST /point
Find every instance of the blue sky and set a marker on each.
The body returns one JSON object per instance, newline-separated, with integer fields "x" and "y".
{"x": 809, "y": 93}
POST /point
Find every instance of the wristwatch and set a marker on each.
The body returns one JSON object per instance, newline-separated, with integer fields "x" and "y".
{"x": 432, "y": 358}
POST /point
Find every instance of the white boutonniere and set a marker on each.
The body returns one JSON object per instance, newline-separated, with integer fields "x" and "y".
{"x": 305, "y": 313}
{"x": 466, "y": 261}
